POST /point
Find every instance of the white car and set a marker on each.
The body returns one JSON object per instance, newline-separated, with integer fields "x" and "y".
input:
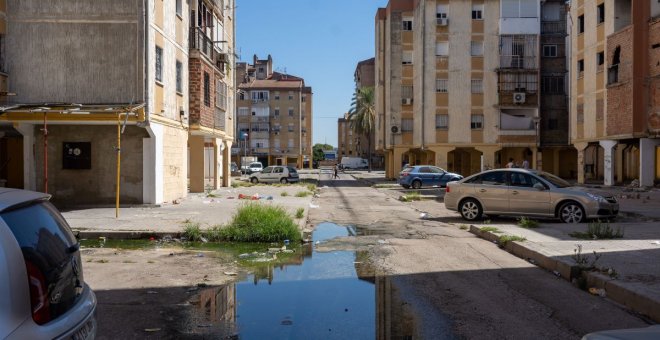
{"x": 43, "y": 294}
{"x": 277, "y": 173}
{"x": 255, "y": 167}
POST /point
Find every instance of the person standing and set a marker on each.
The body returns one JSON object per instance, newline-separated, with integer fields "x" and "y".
{"x": 511, "y": 164}
{"x": 525, "y": 164}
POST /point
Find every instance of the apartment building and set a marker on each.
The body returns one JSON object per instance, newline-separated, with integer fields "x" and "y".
{"x": 11, "y": 168}
{"x": 458, "y": 84}
{"x": 212, "y": 93}
{"x": 615, "y": 90}
{"x": 274, "y": 115}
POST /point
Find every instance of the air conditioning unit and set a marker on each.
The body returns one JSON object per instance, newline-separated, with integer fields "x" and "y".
{"x": 519, "y": 97}
{"x": 407, "y": 101}
{"x": 395, "y": 129}
{"x": 277, "y": 132}
{"x": 443, "y": 21}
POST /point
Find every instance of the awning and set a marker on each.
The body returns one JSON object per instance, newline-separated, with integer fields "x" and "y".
{"x": 63, "y": 112}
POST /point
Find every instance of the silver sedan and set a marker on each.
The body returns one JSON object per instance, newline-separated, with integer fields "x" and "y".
{"x": 520, "y": 192}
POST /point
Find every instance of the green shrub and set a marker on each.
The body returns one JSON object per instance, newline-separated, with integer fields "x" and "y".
{"x": 527, "y": 223}
{"x": 300, "y": 212}
{"x": 598, "y": 231}
{"x": 192, "y": 232}
{"x": 256, "y": 222}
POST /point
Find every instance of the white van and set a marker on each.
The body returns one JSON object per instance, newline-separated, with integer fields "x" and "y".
{"x": 255, "y": 167}
{"x": 354, "y": 163}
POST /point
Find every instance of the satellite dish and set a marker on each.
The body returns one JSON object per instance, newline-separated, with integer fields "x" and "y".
{"x": 395, "y": 129}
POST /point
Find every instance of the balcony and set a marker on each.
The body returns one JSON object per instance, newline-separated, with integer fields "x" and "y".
{"x": 204, "y": 44}
{"x": 517, "y": 62}
{"x": 518, "y": 122}
{"x": 553, "y": 27}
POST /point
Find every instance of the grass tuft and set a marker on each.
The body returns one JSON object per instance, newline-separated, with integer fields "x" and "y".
{"x": 300, "y": 213}
{"x": 527, "y": 223}
{"x": 284, "y": 194}
{"x": 412, "y": 196}
{"x": 192, "y": 232}
{"x": 311, "y": 187}
{"x": 256, "y": 222}
{"x": 303, "y": 193}
{"x": 599, "y": 231}
{"x": 491, "y": 230}
{"x": 504, "y": 239}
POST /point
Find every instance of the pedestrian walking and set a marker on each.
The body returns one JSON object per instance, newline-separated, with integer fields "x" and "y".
{"x": 336, "y": 175}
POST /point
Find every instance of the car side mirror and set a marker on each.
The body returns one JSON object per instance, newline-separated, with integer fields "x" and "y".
{"x": 539, "y": 186}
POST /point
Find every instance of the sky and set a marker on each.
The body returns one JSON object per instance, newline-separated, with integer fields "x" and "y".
{"x": 320, "y": 41}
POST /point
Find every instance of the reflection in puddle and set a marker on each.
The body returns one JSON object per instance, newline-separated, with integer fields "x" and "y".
{"x": 318, "y": 298}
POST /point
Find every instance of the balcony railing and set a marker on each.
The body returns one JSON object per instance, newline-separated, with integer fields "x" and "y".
{"x": 200, "y": 41}
{"x": 550, "y": 27}
{"x": 518, "y": 62}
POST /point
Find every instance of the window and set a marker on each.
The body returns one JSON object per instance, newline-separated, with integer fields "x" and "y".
{"x": 406, "y": 125}
{"x": 207, "y": 89}
{"x": 552, "y": 85}
{"x": 179, "y": 7}
{"x": 550, "y": 51}
{"x": 243, "y": 111}
{"x": 290, "y": 112}
{"x": 179, "y": 75}
{"x": 477, "y": 12}
{"x": 290, "y": 144}
{"x": 259, "y": 96}
{"x": 159, "y": 64}
{"x": 477, "y": 48}
{"x": 406, "y": 92}
{"x": 441, "y": 12}
{"x": 600, "y": 58}
{"x": 493, "y": 178}
{"x": 407, "y": 24}
{"x": 580, "y": 66}
{"x": 441, "y": 85}
{"x": 441, "y": 121}
{"x": 580, "y": 24}
{"x": 519, "y": 9}
{"x": 220, "y": 95}
{"x": 290, "y": 95}
{"x": 303, "y": 98}
{"x": 277, "y": 95}
{"x": 407, "y": 58}
{"x": 477, "y": 122}
{"x": 290, "y": 127}
{"x": 277, "y": 112}
{"x": 442, "y": 48}
{"x": 277, "y": 143}
{"x": 600, "y": 14}
{"x": 477, "y": 86}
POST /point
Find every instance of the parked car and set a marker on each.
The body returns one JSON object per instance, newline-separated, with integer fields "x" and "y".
{"x": 235, "y": 171}
{"x": 646, "y": 333}
{"x": 426, "y": 175}
{"x": 255, "y": 167}
{"x": 276, "y": 173}
{"x": 521, "y": 192}
{"x": 43, "y": 294}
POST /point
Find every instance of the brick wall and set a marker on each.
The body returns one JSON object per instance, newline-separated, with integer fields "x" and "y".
{"x": 199, "y": 112}
{"x": 654, "y": 72}
{"x": 619, "y": 95}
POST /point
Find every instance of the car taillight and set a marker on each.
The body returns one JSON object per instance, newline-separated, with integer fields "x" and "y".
{"x": 38, "y": 294}
{"x": 404, "y": 174}
{"x": 447, "y": 189}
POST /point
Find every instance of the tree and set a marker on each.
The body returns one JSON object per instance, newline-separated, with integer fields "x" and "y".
{"x": 318, "y": 151}
{"x": 362, "y": 115}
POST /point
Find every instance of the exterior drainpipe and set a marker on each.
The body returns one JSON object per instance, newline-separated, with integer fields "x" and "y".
{"x": 145, "y": 34}
{"x": 423, "y": 73}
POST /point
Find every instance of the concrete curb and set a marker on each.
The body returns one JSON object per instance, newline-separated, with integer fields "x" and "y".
{"x": 124, "y": 235}
{"x": 616, "y": 290}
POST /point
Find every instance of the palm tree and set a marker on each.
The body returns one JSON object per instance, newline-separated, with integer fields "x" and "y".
{"x": 362, "y": 115}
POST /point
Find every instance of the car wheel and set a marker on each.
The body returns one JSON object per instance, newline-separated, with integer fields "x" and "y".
{"x": 284, "y": 181}
{"x": 571, "y": 212}
{"x": 470, "y": 209}
{"x": 416, "y": 184}
{"x": 405, "y": 186}
{"x": 254, "y": 180}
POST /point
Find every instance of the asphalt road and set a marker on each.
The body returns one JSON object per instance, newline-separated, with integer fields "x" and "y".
{"x": 436, "y": 280}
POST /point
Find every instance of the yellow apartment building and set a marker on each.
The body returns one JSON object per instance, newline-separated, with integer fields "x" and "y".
{"x": 615, "y": 90}
{"x": 273, "y": 117}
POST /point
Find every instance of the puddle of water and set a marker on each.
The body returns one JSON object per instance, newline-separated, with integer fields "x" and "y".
{"x": 321, "y": 297}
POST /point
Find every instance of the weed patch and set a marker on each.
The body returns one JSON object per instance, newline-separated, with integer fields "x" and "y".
{"x": 303, "y": 193}
{"x": 413, "y": 196}
{"x": 463, "y": 227}
{"x": 192, "y": 232}
{"x": 256, "y": 222}
{"x": 504, "y": 239}
{"x": 300, "y": 213}
{"x": 527, "y": 223}
{"x": 491, "y": 230}
{"x": 598, "y": 231}
{"x": 284, "y": 194}
{"x": 311, "y": 187}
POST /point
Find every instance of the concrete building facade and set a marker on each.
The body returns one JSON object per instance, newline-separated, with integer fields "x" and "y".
{"x": 458, "y": 84}
{"x": 615, "y": 97}
{"x": 274, "y": 115}
{"x": 95, "y": 81}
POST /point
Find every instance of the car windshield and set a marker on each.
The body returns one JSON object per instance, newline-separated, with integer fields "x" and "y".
{"x": 556, "y": 181}
{"x": 255, "y": 165}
